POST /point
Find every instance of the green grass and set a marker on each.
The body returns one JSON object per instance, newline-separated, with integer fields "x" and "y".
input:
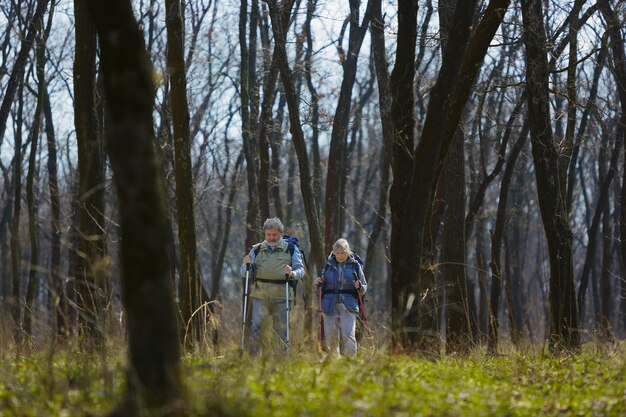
{"x": 592, "y": 383}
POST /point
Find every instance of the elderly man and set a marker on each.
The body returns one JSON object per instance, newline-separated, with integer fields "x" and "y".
{"x": 272, "y": 261}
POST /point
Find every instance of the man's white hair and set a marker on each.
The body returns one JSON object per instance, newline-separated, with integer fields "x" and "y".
{"x": 274, "y": 223}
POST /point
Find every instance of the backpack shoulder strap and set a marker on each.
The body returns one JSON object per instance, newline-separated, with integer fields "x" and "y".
{"x": 256, "y": 249}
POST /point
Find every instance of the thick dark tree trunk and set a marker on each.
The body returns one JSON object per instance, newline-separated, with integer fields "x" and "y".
{"x": 619, "y": 72}
{"x": 458, "y": 335}
{"x": 91, "y": 282}
{"x": 404, "y": 274}
{"x": 563, "y": 308}
{"x": 154, "y": 369}
{"x": 415, "y": 176}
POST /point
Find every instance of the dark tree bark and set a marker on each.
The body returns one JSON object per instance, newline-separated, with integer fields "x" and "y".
{"x": 458, "y": 332}
{"x": 404, "y": 279}
{"x": 154, "y": 370}
{"x": 416, "y": 170}
{"x": 384, "y": 101}
{"x": 452, "y": 180}
{"x": 16, "y": 247}
{"x": 315, "y": 107}
{"x": 189, "y": 282}
{"x": 563, "y": 308}
{"x": 280, "y": 16}
{"x": 248, "y": 134}
{"x": 20, "y": 63}
{"x": 496, "y": 241}
{"x": 593, "y": 231}
{"x": 337, "y": 154}
{"x": 57, "y": 286}
{"x": 619, "y": 72}
{"x": 91, "y": 282}
{"x": 265, "y": 122}
{"x": 31, "y": 178}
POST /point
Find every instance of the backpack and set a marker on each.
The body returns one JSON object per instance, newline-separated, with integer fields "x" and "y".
{"x": 292, "y": 243}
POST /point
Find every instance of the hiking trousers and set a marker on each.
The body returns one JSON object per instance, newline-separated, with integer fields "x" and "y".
{"x": 340, "y": 331}
{"x": 268, "y": 325}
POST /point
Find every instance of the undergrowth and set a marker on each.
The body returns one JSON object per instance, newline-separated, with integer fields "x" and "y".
{"x": 591, "y": 383}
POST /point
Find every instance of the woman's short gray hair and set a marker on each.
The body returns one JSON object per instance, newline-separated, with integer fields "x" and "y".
{"x": 274, "y": 223}
{"x": 342, "y": 244}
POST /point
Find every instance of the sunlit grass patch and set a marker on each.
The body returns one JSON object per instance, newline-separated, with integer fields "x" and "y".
{"x": 591, "y": 383}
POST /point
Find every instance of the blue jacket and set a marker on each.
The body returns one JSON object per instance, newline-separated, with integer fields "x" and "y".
{"x": 338, "y": 285}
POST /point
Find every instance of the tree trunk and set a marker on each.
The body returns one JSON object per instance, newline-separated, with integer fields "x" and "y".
{"x": 154, "y": 369}
{"x": 414, "y": 177}
{"x": 57, "y": 286}
{"x": 280, "y": 15}
{"x": 337, "y": 153}
{"x": 404, "y": 276}
{"x": 593, "y": 232}
{"x": 30, "y": 183}
{"x": 564, "y": 311}
{"x": 458, "y": 335}
{"x": 91, "y": 282}
{"x": 248, "y": 134}
{"x": 384, "y": 102}
{"x": 315, "y": 108}
{"x": 496, "y": 241}
{"x": 189, "y": 282}
{"x": 20, "y": 63}
{"x": 619, "y": 72}
{"x": 16, "y": 249}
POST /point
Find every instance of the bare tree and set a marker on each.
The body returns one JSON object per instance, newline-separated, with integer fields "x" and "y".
{"x": 337, "y": 154}
{"x": 280, "y": 13}
{"x": 91, "y": 281}
{"x": 189, "y": 282}
{"x": 564, "y": 311}
{"x": 416, "y": 168}
{"x": 154, "y": 370}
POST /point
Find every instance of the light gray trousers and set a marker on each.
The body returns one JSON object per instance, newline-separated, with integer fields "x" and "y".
{"x": 340, "y": 331}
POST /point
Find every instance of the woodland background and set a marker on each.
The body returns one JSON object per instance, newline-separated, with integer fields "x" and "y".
{"x": 471, "y": 152}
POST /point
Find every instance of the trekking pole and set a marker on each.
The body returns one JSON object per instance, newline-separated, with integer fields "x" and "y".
{"x": 320, "y": 291}
{"x": 358, "y": 291}
{"x": 245, "y": 306}
{"x": 287, "y": 307}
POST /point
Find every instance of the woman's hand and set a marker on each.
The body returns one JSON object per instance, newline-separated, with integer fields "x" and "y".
{"x": 318, "y": 281}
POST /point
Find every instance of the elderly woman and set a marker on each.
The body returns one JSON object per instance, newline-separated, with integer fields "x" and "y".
{"x": 341, "y": 281}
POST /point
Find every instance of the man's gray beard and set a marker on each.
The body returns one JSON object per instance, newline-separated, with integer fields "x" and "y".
{"x": 273, "y": 245}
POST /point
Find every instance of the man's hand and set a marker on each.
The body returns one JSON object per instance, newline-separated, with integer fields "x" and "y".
{"x": 288, "y": 270}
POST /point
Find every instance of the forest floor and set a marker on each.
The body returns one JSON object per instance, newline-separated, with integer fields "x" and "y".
{"x": 591, "y": 383}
